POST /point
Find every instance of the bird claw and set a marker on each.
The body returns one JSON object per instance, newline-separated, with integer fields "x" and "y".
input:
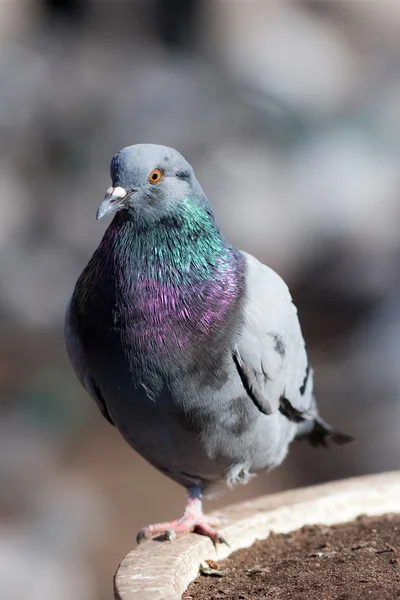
{"x": 193, "y": 520}
{"x": 223, "y": 540}
{"x": 141, "y": 536}
{"x": 202, "y": 525}
{"x": 170, "y": 535}
{"x": 204, "y": 528}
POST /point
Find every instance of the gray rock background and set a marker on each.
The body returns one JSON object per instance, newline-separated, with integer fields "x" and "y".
{"x": 290, "y": 113}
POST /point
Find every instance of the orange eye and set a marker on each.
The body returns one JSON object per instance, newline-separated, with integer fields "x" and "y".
{"x": 154, "y": 176}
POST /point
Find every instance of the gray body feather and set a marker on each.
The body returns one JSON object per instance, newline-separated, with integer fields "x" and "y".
{"x": 209, "y": 434}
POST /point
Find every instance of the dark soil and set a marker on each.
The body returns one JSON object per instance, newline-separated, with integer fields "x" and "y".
{"x": 353, "y": 561}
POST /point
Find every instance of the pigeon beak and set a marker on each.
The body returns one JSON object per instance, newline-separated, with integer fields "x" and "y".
{"x": 112, "y": 201}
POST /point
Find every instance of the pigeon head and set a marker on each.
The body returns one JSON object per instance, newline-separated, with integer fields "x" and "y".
{"x": 149, "y": 182}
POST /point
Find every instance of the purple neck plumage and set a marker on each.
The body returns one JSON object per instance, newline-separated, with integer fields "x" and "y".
{"x": 171, "y": 285}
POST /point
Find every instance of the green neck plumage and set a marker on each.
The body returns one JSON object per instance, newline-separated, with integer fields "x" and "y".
{"x": 173, "y": 284}
{"x": 185, "y": 246}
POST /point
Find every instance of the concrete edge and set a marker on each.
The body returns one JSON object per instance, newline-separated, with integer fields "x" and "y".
{"x": 163, "y": 570}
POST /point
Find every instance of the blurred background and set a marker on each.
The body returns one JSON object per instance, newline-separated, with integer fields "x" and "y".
{"x": 290, "y": 113}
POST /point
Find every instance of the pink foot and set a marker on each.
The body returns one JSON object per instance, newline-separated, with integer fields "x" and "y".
{"x": 193, "y": 520}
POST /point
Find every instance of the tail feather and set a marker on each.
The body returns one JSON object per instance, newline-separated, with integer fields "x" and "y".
{"x": 321, "y": 433}
{"x": 311, "y": 427}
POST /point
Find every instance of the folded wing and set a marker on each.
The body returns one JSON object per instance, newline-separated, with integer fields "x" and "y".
{"x": 78, "y": 359}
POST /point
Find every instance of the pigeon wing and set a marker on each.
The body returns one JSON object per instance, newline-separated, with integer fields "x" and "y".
{"x": 78, "y": 359}
{"x": 270, "y": 354}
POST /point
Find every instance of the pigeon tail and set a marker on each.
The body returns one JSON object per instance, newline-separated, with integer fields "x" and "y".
{"x": 312, "y": 428}
{"x": 321, "y": 433}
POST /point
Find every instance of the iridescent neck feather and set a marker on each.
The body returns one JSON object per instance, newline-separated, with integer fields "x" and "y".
{"x": 171, "y": 283}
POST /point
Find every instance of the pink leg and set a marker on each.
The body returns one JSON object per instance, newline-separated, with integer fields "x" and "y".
{"x": 193, "y": 520}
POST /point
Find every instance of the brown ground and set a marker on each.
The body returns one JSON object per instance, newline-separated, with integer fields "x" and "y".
{"x": 354, "y": 561}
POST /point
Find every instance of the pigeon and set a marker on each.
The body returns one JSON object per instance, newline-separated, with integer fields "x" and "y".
{"x": 190, "y": 347}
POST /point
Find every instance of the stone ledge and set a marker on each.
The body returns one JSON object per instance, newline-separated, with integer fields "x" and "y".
{"x": 163, "y": 570}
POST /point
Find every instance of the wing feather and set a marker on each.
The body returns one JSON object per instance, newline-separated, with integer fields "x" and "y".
{"x": 79, "y": 362}
{"x": 271, "y": 353}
